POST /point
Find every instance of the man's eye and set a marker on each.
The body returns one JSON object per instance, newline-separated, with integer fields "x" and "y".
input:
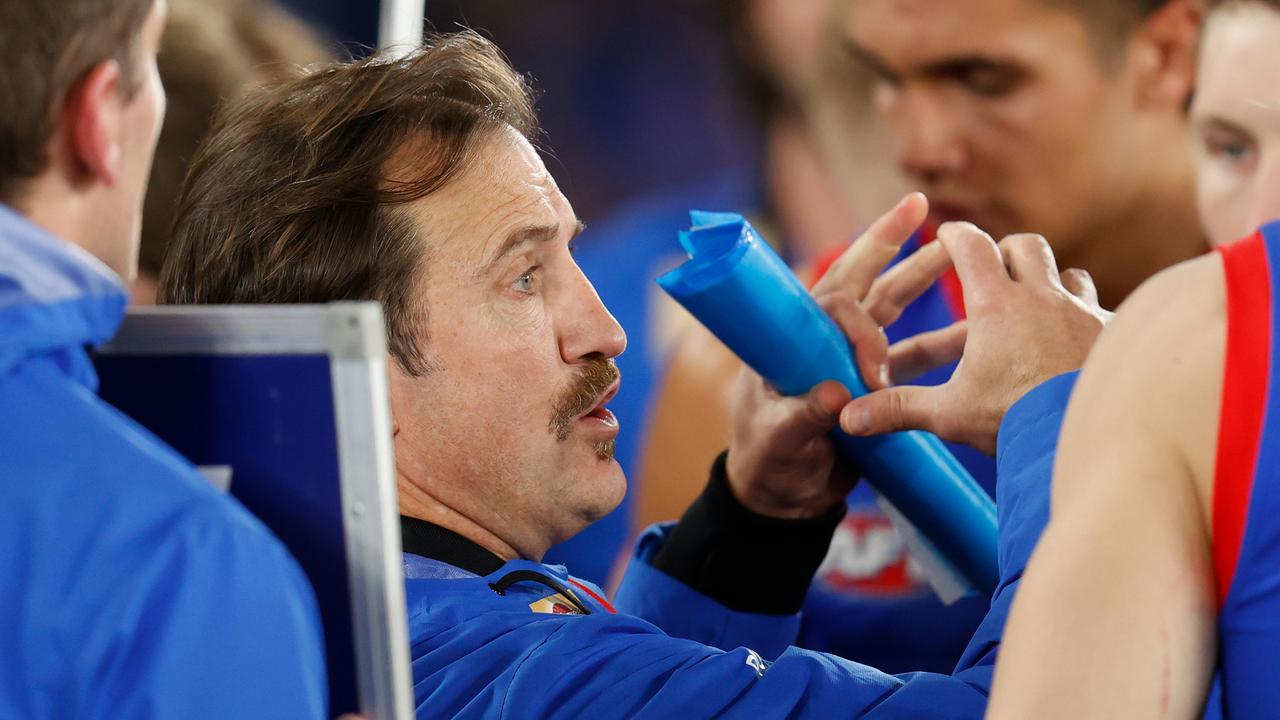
{"x": 989, "y": 80}
{"x": 527, "y": 282}
{"x": 1229, "y": 146}
{"x": 1230, "y": 149}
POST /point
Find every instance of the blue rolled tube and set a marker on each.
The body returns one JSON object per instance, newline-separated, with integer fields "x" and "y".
{"x": 739, "y": 288}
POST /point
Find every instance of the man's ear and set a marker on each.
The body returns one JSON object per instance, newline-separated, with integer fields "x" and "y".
{"x": 394, "y": 377}
{"x": 94, "y": 117}
{"x": 1164, "y": 55}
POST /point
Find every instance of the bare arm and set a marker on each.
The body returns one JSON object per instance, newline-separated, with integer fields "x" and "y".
{"x": 689, "y": 427}
{"x": 1115, "y": 615}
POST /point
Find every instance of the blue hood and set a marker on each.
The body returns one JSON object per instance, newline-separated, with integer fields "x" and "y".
{"x": 55, "y": 299}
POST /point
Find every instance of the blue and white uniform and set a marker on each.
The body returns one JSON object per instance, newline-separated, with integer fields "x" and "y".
{"x": 133, "y": 589}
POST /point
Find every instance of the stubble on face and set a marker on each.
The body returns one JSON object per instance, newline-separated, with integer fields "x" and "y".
{"x": 582, "y": 395}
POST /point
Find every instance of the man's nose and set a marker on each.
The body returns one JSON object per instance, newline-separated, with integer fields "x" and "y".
{"x": 928, "y": 145}
{"x": 590, "y": 327}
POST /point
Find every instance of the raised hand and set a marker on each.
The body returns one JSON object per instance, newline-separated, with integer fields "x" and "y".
{"x": 1026, "y": 324}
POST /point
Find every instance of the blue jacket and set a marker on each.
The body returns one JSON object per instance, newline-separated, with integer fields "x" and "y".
{"x": 133, "y": 589}
{"x": 670, "y": 652}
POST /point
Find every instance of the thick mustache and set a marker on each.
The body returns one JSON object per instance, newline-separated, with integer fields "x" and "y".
{"x": 597, "y": 376}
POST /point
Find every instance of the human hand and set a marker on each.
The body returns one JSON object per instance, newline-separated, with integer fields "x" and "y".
{"x": 782, "y": 461}
{"x": 1026, "y": 324}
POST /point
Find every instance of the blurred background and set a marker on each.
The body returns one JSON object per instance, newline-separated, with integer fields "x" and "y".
{"x": 649, "y": 108}
{"x": 635, "y": 96}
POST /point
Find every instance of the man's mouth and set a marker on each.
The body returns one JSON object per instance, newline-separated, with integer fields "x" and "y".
{"x": 600, "y": 413}
{"x": 582, "y": 405}
{"x": 944, "y": 212}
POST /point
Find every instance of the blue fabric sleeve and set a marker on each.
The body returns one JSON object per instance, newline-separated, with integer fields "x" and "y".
{"x": 606, "y": 665}
{"x": 686, "y": 613}
{"x": 802, "y": 684}
{"x": 223, "y": 624}
{"x": 1025, "y": 450}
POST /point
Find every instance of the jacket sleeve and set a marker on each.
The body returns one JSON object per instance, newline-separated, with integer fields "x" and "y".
{"x": 806, "y": 684}
{"x": 224, "y": 624}
{"x": 605, "y": 665}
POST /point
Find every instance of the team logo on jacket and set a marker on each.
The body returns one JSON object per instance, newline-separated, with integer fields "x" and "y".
{"x": 869, "y": 558}
{"x": 554, "y": 604}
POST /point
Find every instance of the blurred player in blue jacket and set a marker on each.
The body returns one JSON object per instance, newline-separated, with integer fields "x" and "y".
{"x": 414, "y": 182}
{"x": 132, "y": 588}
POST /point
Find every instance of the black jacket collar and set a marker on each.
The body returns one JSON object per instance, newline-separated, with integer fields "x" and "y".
{"x": 436, "y": 543}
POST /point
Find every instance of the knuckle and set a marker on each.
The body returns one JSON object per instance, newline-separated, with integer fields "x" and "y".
{"x": 1024, "y": 241}
{"x": 896, "y": 409}
{"x": 833, "y": 302}
{"x": 1079, "y": 276}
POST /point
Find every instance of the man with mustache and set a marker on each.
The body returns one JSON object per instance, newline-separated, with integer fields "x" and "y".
{"x": 414, "y": 182}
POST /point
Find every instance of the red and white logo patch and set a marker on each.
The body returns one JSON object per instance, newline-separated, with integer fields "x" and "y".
{"x": 869, "y": 558}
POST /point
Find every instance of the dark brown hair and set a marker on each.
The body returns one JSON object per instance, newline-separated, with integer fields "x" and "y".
{"x": 213, "y": 51}
{"x": 1111, "y": 22}
{"x": 49, "y": 46}
{"x": 1212, "y": 5}
{"x": 292, "y": 200}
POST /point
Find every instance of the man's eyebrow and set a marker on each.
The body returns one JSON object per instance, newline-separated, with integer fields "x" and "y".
{"x": 866, "y": 58}
{"x": 943, "y": 68}
{"x": 962, "y": 65}
{"x": 521, "y": 236}
{"x": 1218, "y": 122}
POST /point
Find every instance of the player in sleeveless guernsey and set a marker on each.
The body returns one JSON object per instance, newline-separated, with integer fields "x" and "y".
{"x": 1159, "y": 567}
{"x": 1166, "y": 507}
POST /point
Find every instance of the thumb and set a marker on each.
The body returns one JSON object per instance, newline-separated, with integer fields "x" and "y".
{"x": 894, "y": 410}
{"x": 802, "y": 418}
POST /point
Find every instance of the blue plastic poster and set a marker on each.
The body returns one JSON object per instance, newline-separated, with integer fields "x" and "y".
{"x": 738, "y": 287}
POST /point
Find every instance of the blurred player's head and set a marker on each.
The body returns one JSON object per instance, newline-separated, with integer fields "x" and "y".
{"x": 82, "y": 105}
{"x": 212, "y": 51}
{"x": 1235, "y": 118}
{"x": 775, "y": 49}
{"x": 1053, "y": 116}
{"x": 413, "y": 182}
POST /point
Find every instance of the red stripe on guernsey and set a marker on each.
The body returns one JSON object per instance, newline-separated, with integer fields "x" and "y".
{"x": 952, "y": 291}
{"x": 1244, "y": 398}
{"x": 824, "y": 263}
{"x": 604, "y": 603}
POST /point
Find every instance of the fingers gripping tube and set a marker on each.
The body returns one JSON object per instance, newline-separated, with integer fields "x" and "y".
{"x": 739, "y": 288}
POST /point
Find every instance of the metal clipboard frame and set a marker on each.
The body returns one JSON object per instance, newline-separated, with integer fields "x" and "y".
{"x": 353, "y": 336}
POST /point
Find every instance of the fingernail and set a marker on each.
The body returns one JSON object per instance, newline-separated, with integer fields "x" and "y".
{"x": 884, "y": 375}
{"x": 857, "y": 421}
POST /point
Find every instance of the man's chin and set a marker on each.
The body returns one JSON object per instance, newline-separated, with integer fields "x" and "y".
{"x": 605, "y": 450}
{"x": 608, "y": 486}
